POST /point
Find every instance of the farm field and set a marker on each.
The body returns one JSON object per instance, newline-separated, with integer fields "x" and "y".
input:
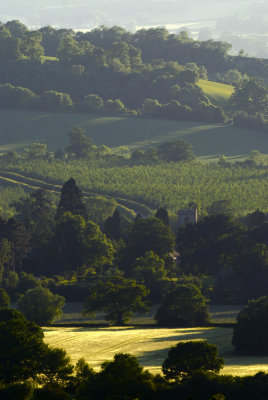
{"x": 20, "y": 128}
{"x": 167, "y": 184}
{"x": 150, "y": 345}
{"x": 217, "y": 92}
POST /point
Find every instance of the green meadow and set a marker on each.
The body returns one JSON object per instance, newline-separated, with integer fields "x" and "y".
{"x": 20, "y": 128}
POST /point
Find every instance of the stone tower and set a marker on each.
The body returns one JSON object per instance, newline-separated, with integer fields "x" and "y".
{"x": 187, "y": 216}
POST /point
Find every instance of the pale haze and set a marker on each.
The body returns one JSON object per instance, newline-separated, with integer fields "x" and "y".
{"x": 243, "y": 23}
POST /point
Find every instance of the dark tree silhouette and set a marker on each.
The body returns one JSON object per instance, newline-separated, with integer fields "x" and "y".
{"x": 183, "y": 306}
{"x": 250, "y": 332}
{"x": 118, "y": 297}
{"x": 71, "y": 199}
{"x": 112, "y": 226}
{"x": 21, "y": 345}
{"x": 162, "y": 214}
{"x": 186, "y": 358}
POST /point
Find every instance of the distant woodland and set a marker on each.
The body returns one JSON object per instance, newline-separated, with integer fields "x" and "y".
{"x": 110, "y": 70}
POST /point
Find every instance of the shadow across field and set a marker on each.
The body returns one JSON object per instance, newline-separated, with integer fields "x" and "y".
{"x": 187, "y": 335}
{"x": 19, "y": 128}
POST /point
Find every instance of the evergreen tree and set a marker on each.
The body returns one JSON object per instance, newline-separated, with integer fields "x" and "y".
{"x": 71, "y": 199}
{"x": 112, "y": 227}
{"x": 4, "y": 299}
{"x": 41, "y": 216}
{"x": 162, "y": 214}
{"x": 40, "y": 205}
{"x": 18, "y": 237}
{"x": 256, "y": 219}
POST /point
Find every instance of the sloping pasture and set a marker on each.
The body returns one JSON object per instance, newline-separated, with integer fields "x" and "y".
{"x": 218, "y": 93}
{"x": 20, "y": 128}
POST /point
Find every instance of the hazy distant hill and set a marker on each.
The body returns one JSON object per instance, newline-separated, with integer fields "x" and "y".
{"x": 90, "y": 13}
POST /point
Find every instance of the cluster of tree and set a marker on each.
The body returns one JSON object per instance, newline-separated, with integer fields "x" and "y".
{"x": 198, "y": 106}
{"x": 106, "y": 70}
{"x": 251, "y": 96}
{"x": 196, "y": 111}
{"x": 231, "y": 77}
{"x": 255, "y": 160}
{"x": 34, "y": 299}
{"x": 177, "y": 150}
{"x": 52, "y": 100}
{"x": 250, "y": 121}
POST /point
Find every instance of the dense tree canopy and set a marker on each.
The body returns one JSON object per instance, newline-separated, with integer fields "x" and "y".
{"x": 206, "y": 247}
{"x": 118, "y": 297}
{"x": 79, "y": 145}
{"x": 145, "y": 235}
{"x": 24, "y": 355}
{"x": 120, "y": 378}
{"x": 183, "y": 306}
{"x": 40, "y": 305}
{"x": 21, "y": 347}
{"x": 149, "y": 269}
{"x": 188, "y": 357}
{"x": 178, "y": 150}
{"x": 250, "y": 332}
{"x": 250, "y": 96}
{"x": 77, "y": 245}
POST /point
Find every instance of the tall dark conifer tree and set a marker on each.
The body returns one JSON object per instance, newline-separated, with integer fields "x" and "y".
{"x": 162, "y": 214}
{"x": 71, "y": 199}
{"x": 15, "y": 232}
{"x": 112, "y": 227}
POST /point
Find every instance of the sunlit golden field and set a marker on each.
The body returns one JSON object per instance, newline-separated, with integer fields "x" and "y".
{"x": 149, "y": 345}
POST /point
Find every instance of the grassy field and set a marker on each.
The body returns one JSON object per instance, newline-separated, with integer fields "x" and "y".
{"x": 150, "y": 345}
{"x": 19, "y": 128}
{"x": 218, "y": 93}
